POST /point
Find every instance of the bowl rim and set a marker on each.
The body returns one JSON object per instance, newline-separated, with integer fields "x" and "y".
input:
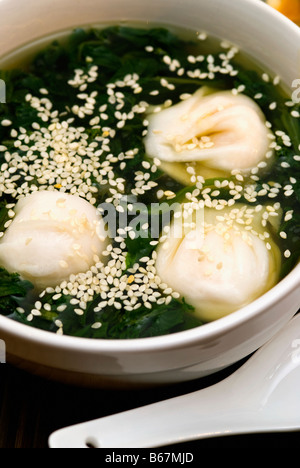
{"x": 184, "y": 338}
{"x": 202, "y": 333}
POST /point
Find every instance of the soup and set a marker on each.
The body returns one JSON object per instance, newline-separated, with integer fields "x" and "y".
{"x": 149, "y": 183}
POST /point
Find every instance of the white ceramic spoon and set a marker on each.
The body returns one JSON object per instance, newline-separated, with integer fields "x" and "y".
{"x": 263, "y": 395}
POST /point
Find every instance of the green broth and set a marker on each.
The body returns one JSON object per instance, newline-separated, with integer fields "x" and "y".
{"x": 117, "y": 52}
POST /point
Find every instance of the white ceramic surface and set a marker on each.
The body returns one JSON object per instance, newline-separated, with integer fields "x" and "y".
{"x": 262, "y": 396}
{"x": 274, "y": 41}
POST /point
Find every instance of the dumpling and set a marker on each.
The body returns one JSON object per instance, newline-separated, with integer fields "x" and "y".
{"x": 216, "y": 132}
{"x": 52, "y": 236}
{"x": 215, "y": 263}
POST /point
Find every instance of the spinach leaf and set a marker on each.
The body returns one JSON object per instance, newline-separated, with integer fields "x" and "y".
{"x": 120, "y": 51}
{"x": 12, "y": 289}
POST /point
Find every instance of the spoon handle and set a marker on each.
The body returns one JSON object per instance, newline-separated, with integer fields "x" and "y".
{"x": 262, "y": 395}
{"x": 179, "y": 419}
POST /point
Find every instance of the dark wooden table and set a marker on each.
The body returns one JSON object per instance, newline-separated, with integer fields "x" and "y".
{"x": 31, "y": 408}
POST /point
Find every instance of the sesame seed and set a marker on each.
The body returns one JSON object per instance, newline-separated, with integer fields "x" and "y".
{"x": 57, "y": 296}
{"x": 288, "y": 216}
{"x": 265, "y": 77}
{"x": 168, "y": 300}
{"x": 8, "y": 223}
{"x": 295, "y": 114}
{"x": 36, "y": 312}
{"x": 6, "y": 123}
{"x": 79, "y": 312}
{"x": 96, "y": 325}
{"x": 202, "y": 36}
{"x": 289, "y": 193}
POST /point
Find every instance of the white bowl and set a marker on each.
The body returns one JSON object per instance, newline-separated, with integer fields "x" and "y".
{"x": 272, "y": 40}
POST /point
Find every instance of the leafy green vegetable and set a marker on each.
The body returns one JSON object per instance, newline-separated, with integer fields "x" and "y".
{"x": 120, "y": 52}
{"x": 12, "y": 290}
{"x": 141, "y": 323}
